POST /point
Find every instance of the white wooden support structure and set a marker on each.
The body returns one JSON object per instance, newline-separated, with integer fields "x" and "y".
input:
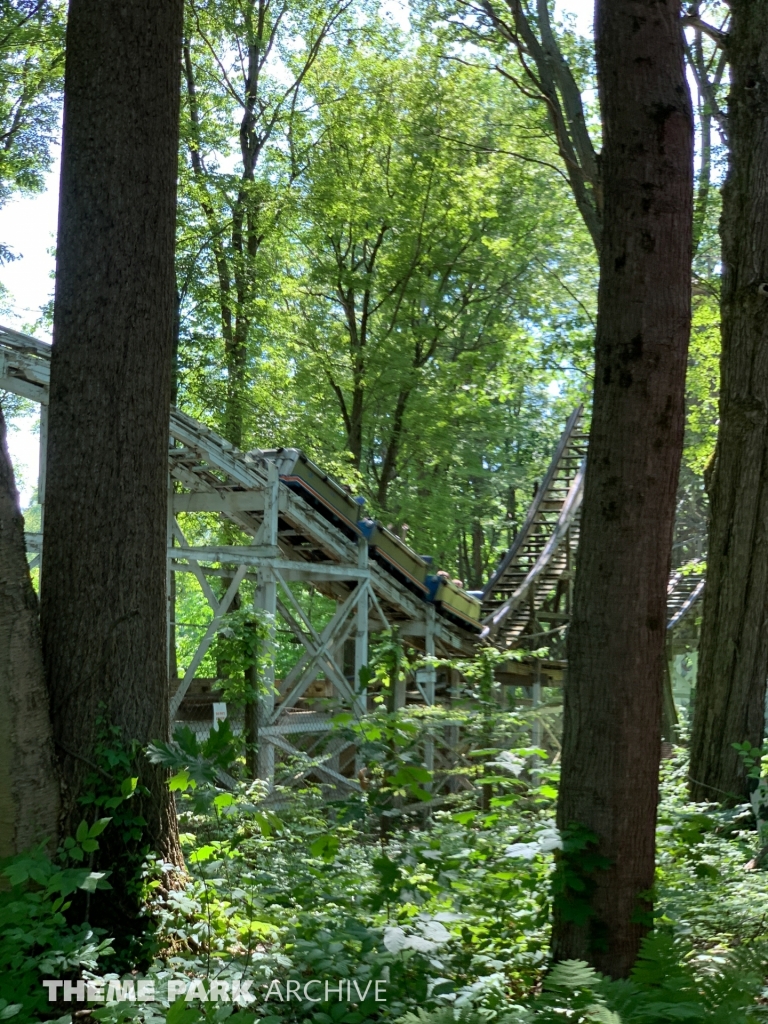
{"x": 429, "y": 683}
{"x": 287, "y": 541}
{"x": 265, "y": 601}
{"x": 361, "y": 633}
{"x": 292, "y": 542}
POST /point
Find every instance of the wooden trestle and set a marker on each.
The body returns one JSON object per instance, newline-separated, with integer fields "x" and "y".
{"x": 538, "y": 568}
{"x": 526, "y": 603}
{"x": 532, "y": 587}
{"x": 289, "y": 541}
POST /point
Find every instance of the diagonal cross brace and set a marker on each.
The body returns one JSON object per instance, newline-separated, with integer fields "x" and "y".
{"x": 308, "y": 665}
{"x": 195, "y": 567}
{"x": 220, "y": 611}
{"x": 315, "y": 647}
{"x": 311, "y": 660}
{"x": 321, "y": 769}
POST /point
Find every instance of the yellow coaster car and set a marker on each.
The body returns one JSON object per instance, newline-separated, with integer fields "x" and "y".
{"x": 317, "y": 488}
{"x": 395, "y": 556}
{"x": 454, "y": 602}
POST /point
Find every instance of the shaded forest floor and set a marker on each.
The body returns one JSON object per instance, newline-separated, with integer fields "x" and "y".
{"x": 449, "y": 908}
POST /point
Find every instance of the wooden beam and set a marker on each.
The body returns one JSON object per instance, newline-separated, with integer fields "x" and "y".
{"x": 219, "y": 501}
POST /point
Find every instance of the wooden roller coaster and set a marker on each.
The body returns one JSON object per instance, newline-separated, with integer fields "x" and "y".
{"x": 299, "y": 525}
{"x": 533, "y": 583}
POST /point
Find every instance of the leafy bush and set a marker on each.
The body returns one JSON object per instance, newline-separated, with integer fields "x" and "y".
{"x": 452, "y": 913}
{"x": 667, "y": 986}
{"x": 36, "y": 941}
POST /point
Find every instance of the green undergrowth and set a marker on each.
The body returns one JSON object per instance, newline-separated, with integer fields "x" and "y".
{"x": 448, "y": 909}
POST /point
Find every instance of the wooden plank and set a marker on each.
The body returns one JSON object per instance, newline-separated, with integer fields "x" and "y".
{"x": 219, "y": 501}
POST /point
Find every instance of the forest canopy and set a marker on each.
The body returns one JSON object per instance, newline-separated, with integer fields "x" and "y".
{"x": 395, "y": 279}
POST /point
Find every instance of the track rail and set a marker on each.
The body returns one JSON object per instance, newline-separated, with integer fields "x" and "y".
{"x": 685, "y": 589}
{"x": 538, "y": 569}
{"x": 540, "y": 561}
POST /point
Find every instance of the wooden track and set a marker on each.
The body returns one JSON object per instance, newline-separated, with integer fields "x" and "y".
{"x": 685, "y": 589}
{"x": 539, "y": 565}
{"x": 532, "y": 586}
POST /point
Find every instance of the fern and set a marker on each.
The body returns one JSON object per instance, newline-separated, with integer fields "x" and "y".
{"x": 468, "y": 1015}
{"x": 574, "y": 991}
{"x": 668, "y": 985}
{"x": 571, "y": 976}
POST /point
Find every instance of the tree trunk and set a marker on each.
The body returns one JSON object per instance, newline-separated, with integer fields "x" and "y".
{"x": 29, "y": 788}
{"x": 392, "y": 454}
{"x": 104, "y": 565}
{"x": 733, "y": 658}
{"x": 478, "y": 539}
{"x": 613, "y": 699}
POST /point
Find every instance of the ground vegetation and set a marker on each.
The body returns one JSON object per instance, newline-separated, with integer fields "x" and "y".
{"x": 387, "y": 250}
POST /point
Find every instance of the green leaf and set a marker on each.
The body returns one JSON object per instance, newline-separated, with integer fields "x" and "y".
{"x": 202, "y": 854}
{"x": 464, "y": 817}
{"x": 181, "y": 782}
{"x": 82, "y": 831}
{"x": 420, "y": 794}
{"x": 128, "y": 787}
{"x": 98, "y": 827}
{"x": 325, "y": 846}
{"x": 182, "y": 1013}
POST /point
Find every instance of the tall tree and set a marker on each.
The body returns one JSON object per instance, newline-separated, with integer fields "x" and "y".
{"x": 420, "y": 228}
{"x": 546, "y": 74}
{"x": 733, "y": 659}
{"x": 612, "y": 714}
{"x": 29, "y": 786}
{"x": 247, "y": 63}
{"x": 103, "y": 600}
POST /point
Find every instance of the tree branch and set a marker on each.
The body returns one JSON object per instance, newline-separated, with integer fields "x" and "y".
{"x": 716, "y": 34}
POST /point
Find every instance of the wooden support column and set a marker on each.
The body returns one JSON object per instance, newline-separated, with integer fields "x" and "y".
{"x": 452, "y": 732}
{"x": 266, "y": 600}
{"x": 429, "y": 679}
{"x": 536, "y": 730}
{"x": 361, "y": 632}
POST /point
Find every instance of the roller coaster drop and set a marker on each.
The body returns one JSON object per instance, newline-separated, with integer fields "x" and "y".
{"x": 303, "y": 526}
